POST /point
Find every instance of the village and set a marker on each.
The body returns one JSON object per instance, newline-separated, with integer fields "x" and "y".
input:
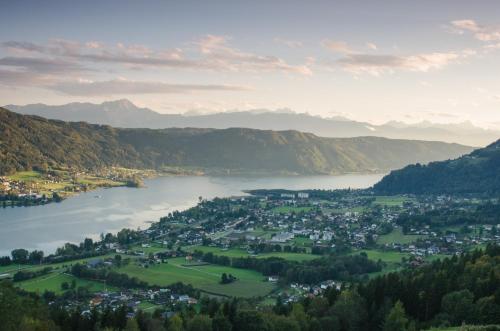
{"x": 201, "y": 246}
{"x": 37, "y": 187}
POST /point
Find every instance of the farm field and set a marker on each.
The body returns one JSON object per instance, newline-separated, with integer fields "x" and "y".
{"x": 388, "y": 257}
{"x": 391, "y": 201}
{"x": 290, "y": 209}
{"x": 52, "y": 282}
{"x": 302, "y": 242}
{"x": 397, "y": 236}
{"x": 206, "y": 278}
{"x": 234, "y": 252}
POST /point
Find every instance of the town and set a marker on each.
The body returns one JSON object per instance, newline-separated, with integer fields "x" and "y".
{"x": 250, "y": 246}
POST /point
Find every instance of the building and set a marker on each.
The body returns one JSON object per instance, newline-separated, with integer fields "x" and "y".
{"x": 303, "y": 195}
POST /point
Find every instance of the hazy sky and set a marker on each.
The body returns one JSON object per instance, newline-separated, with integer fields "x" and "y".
{"x": 367, "y": 60}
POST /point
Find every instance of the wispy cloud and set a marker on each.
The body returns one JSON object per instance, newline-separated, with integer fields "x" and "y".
{"x": 357, "y": 62}
{"x": 218, "y": 54}
{"x": 41, "y": 65}
{"x": 213, "y": 53}
{"x": 337, "y": 46}
{"x": 288, "y": 42}
{"x": 378, "y": 64}
{"x": 127, "y": 87}
{"x": 481, "y": 32}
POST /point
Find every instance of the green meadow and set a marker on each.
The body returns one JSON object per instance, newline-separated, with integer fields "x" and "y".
{"x": 391, "y": 201}
{"x": 207, "y": 278}
{"x": 397, "y": 236}
{"x": 52, "y": 282}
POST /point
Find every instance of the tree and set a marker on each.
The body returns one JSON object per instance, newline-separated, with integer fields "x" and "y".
{"x": 118, "y": 260}
{"x": 36, "y": 257}
{"x": 19, "y": 256}
{"x": 200, "y": 323}
{"x": 300, "y": 316}
{"x": 396, "y": 319}
{"x": 350, "y": 309}
{"x": 175, "y": 323}
{"x": 221, "y": 322}
{"x": 250, "y": 320}
{"x": 132, "y": 325}
{"x": 282, "y": 323}
{"x": 88, "y": 244}
{"x": 224, "y": 279}
{"x": 318, "y": 307}
{"x": 459, "y": 305}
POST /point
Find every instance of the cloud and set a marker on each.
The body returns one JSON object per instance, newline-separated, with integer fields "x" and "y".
{"x": 289, "y": 43}
{"x": 337, "y": 46}
{"x": 15, "y": 78}
{"x": 375, "y": 64}
{"x": 480, "y": 32}
{"x": 378, "y": 64}
{"x": 212, "y": 53}
{"x": 41, "y": 65}
{"x": 218, "y": 54}
{"x": 123, "y": 86}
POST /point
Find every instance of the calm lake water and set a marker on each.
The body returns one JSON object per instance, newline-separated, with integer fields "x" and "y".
{"x": 109, "y": 210}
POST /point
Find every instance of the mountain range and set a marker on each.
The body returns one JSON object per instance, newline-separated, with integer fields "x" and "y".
{"x": 28, "y": 141}
{"x": 123, "y": 113}
{"x": 477, "y": 172}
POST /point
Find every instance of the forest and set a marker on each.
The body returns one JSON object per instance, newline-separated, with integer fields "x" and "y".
{"x": 451, "y": 292}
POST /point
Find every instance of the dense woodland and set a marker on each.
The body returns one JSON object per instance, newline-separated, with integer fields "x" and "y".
{"x": 457, "y": 290}
{"x": 28, "y": 142}
{"x": 477, "y": 172}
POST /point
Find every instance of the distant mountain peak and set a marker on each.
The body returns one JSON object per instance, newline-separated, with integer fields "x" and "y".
{"x": 125, "y": 114}
{"x": 119, "y": 104}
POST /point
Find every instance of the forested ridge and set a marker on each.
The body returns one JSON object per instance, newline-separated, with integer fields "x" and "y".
{"x": 477, "y": 172}
{"x": 30, "y": 141}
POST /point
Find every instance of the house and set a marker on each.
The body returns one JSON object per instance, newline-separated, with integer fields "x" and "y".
{"x": 303, "y": 195}
{"x": 282, "y": 237}
{"x": 272, "y": 279}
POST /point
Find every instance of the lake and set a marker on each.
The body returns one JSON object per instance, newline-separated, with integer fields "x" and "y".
{"x": 89, "y": 214}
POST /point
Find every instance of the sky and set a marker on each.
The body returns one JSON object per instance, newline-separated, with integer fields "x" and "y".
{"x": 372, "y": 61}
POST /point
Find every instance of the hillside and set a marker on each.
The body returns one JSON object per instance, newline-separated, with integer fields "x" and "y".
{"x": 28, "y": 141}
{"x": 477, "y": 172}
{"x": 123, "y": 113}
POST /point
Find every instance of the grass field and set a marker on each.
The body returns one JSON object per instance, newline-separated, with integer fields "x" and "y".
{"x": 391, "y": 201}
{"x": 234, "y": 252}
{"x": 249, "y": 284}
{"x": 302, "y": 242}
{"x": 26, "y": 176}
{"x": 148, "y": 306}
{"x": 290, "y": 209}
{"x": 397, "y": 236}
{"x": 388, "y": 257}
{"x": 155, "y": 248}
{"x": 55, "y": 266}
{"x": 52, "y": 282}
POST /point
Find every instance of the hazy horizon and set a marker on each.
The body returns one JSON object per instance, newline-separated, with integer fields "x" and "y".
{"x": 370, "y": 62}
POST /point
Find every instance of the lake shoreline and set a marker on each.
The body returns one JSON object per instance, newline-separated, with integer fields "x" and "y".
{"x": 152, "y": 174}
{"x": 50, "y": 226}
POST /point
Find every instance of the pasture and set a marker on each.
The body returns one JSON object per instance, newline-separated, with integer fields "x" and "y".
{"x": 397, "y": 236}
{"x": 207, "y": 278}
{"x": 52, "y": 282}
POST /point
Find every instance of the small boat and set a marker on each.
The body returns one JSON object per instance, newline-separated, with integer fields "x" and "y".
{"x": 98, "y": 196}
